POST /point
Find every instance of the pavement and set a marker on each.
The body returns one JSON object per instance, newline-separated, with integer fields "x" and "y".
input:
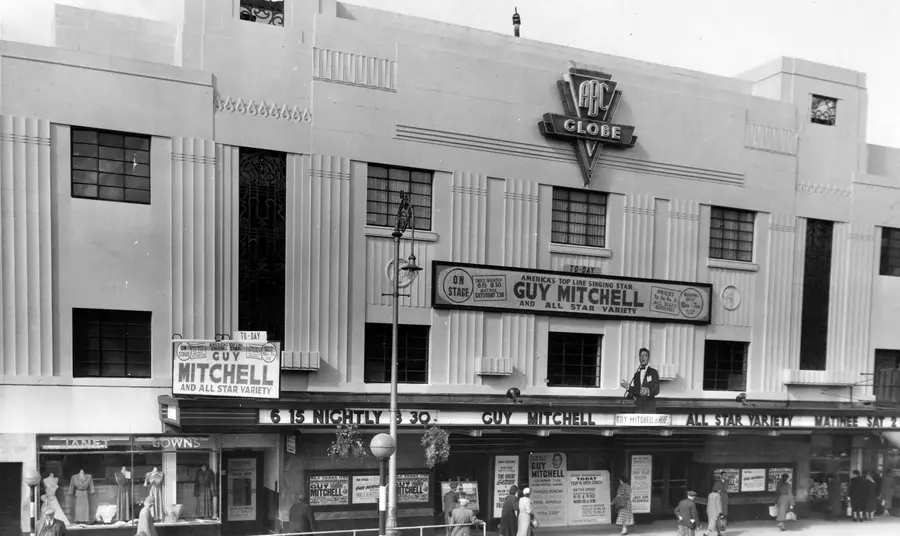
{"x": 814, "y": 527}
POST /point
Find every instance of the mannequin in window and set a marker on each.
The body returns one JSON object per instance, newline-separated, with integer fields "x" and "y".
{"x": 154, "y": 480}
{"x": 81, "y": 486}
{"x": 49, "y": 500}
{"x": 123, "y": 494}
{"x": 205, "y": 491}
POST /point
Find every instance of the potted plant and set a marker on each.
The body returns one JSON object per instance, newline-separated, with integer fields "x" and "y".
{"x": 437, "y": 445}
{"x": 347, "y": 443}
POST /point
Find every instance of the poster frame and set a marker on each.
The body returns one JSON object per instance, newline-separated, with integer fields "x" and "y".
{"x": 350, "y": 473}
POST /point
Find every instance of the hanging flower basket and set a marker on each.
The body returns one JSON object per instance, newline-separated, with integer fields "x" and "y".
{"x": 347, "y": 443}
{"x": 437, "y": 446}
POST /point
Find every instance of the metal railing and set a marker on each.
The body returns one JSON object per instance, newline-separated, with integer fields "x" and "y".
{"x": 355, "y": 532}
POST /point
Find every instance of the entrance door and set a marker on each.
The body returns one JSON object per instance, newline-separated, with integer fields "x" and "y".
{"x": 10, "y": 490}
{"x": 671, "y": 472}
{"x": 243, "y": 508}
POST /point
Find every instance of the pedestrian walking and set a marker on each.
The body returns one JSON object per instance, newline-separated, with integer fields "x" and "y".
{"x": 509, "y": 516}
{"x": 857, "y": 497}
{"x": 451, "y": 501}
{"x": 462, "y": 519}
{"x": 834, "y": 498}
{"x": 714, "y": 513}
{"x": 145, "y": 519}
{"x": 784, "y": 502}
{"x": 871, "y": 497}
{"x": 622, "y": 502}
{"x": 526, "y": 514}
{"x": 302, "y": 518}
{"x": 720, "y": 484}
{"x": 686, "y": 512}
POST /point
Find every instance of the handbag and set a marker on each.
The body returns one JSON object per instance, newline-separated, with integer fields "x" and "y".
{"x": 721, "y": 524}
{"x": 619, "y": 502}
{"x": 535, "y": 523}
{"x": 773, "y": 510}
{"x": 790, "y": 516}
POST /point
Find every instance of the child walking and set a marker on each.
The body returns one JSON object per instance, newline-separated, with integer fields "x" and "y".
{"x": 686, "y": 512}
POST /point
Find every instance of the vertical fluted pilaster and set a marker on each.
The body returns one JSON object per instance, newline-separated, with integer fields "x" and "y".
{"x": 227, "y": 228}
{"x": 683, "y": 256}
{"x": 318, "y": 256}
{"x": 860, "y": 273}
{"x": 792, "y": 360}
{"x": 836, "y": 357}
{"x": 521, "y": 225}
{"x": 765, "y": 374}
{"x": 26, "y": 276}
{"x": 193, "y": 237}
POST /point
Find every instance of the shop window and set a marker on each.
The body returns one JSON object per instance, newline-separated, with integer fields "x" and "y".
{"x": 816, "y": 293}
{"x": 110, "y": 344}
{"x": 885, "y": 360}
{"x": 725, "y": 366}
{"x": 412, "y": 353}
{"x": 890, "y": 252}
{"x": 110, "y": 166}
{"x": 269, "y": 12}
{"x": 731, "y": 234}
{"x": 823, "y": 110}
{"x": 579, "y": 218}
{"x": 573, "y": 360}
{"x": 383, "y": 198}
{"x": 99, "y": 481}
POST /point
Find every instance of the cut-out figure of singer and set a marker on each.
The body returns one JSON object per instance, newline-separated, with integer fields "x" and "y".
{"x": 644, "y": 385}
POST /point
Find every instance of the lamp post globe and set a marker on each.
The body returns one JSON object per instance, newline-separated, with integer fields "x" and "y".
{"x": 382, "y": 446}
{"x": 32, "y": 478}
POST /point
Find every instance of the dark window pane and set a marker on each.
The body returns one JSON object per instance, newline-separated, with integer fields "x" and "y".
{"x": 816, "y": 292}
{"x": 111, "y": 140}
{"x": 84, "y": 177}
{"x": 890, "y": 252}
{"x": 138, "y": 196}
{"x": 103, "y": 345}
{"x": 142, "y": 143}
{"x": 731, "y": 234}
{"x": 412, "y": 353}
{"x": 108, "y": 179}
{"x": 579, "y": 217}
{"x": 84, "y": 190}
{"x": 84, "y": 149}
{"x": 725, "y": 366}
{"x": 112, "y": 153}
{"x": 84, "y": 136}
{"x": 573, "y": 359}
{"x": 106, "y": 152}
{"x": 111, "y": 194}
{"x": 384, "y": 185}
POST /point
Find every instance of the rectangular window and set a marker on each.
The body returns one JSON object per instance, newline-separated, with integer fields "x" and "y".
{"x": 725, "y": 366}
{"x": 885, "y": 360}
{"x": 579, "y": 218}
{"x": 731, "y": 234}
{"x": 110, "y": 166}
{"x": 110, "y": 344}
{"x": 816, "y": 292}
{"x": 890, "y": 251}
{"x": 573, "y": 360}
{"x": 412, "y": 353}
{"x": 269, "y": 12}
{"x": 383, "y": 198}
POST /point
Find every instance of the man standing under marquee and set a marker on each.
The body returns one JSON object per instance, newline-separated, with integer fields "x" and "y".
{"x": 644, "y": 386}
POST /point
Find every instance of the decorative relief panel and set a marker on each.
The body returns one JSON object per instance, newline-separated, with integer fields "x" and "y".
{"x": 637, "y": 253}
{"x": 379, "y": 252}
{"x": 465, "y": 348}
{"x": 227, "y": 221}
{"x": 269, "y": 110}
{"x": 679, "y": 353}
{"x": 469, "y": 218}
{"x": 729, "y": 308}
{"x": 521, "y": 223}
{"x": 772, "y": 139}
{"x": 823, "y": 189}
{"x": 354, "y": 69}
{"x": 26, "y": 252}
{"x": 684, "y": 240}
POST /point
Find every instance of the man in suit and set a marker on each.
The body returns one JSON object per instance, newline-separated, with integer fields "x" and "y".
{"x": 50, "y": 526}
{"x": 302, "y": 517}
{"x": 686, "y": 512}
{"x": 451, "y": 501}
{"x": 462, "y": 519}
{"x": 644, "y": 385}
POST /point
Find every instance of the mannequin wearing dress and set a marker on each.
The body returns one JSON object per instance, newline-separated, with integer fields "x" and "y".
{"x": 81, "y": 486}
{"x": 123, "y": 495}
{"x": 205, "y": 490}
{"x": 154, "y": 480}
{"x": 49, "y": 500}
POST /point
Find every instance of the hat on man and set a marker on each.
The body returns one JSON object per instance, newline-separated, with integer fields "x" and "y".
{"x": 692, "y": 494}
{"x": 454, "y": 485}
{"x": 526, "y": 491}
{"x": 463, "y": 501}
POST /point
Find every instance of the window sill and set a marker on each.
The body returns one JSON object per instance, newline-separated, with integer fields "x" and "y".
{"x": 587, "y": 251}
{"x": 732, "y": 265}
{"x": 386, "y": 232}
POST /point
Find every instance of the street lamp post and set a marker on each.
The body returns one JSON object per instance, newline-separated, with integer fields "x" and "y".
{"x": 406, "y": 219}
{"x": 32, "y": 478}
{"x": 382, "y": 447}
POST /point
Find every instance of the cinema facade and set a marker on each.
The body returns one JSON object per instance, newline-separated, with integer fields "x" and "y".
{"x": 570, "y": 207}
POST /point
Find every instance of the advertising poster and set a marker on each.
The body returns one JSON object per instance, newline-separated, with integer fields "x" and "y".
{"x": 547, "y": 480}
{"x": 732, "y": 479}
{"x": 469, "y": 490}
{"x": 230, "y": 369}
{"x": 641, "y": 480}
{"x": 774, "y": 477}
{"x": 506, "y": 474}
{"x": 753, "y": 480}
{"x": 589, "y": 498}
{"x": 412, "y": 488}
{"x": 241, "y": 489}
{"x": 365, "y": 489}
{"x": 495, "y": 288}
{"x": 329, "y": 490}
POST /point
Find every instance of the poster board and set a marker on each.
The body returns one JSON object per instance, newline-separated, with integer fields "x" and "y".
{"x": 506, "y": 474}
{"x": 774, "y": 477}
{"x": 467, "y": 489}
{"x": 641, "y": 482}
{"x": 753, "y": 480}
{"x": 588, "y": 498}
{"x": 732, "y": 477}
{"x": 365, "y": 489}
{"x": 412, "y": 488}
{"x": 242, "y": 477}
{"x": 547, "y": 480}
{"x": 329, "y": 490}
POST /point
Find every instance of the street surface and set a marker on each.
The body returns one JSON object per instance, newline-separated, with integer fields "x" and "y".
{"x": 816, "y": 527}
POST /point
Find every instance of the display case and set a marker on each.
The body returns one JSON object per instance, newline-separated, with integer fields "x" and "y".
{"x": 102, "y": 482}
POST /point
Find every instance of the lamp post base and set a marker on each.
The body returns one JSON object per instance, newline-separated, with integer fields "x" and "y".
{"x": 391, "y": 528}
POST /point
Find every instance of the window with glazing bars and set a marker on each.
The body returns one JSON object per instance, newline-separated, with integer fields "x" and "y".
{"x": 412, "y": 353}
{"x": 725, "y": 366}
{"x": 110, "y": 344}
{"x": 890, "y": 251}
{"x": 110, "y": 166}
{"x": 573, "y": 360}
{"x": 383, "y": 198}
{"x": 731, "y": 234}
{"x": 579, "y": 218}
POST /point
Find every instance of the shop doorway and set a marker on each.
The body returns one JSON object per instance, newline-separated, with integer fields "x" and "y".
{"x": 466, "y": 467}
{"x": 243, "y": 500}
{"x": 671, "y": 473}
{"x": 10, "y": 488}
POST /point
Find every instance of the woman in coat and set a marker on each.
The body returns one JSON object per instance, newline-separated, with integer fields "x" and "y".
{"x": 526, "y": 513}
{"x": 509, "y": 523}
{"x": 871, "y": 497}
{"x": 714, "y": 511}
{"x": 785, "y": 500}
{"x": 622, "y": 502}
